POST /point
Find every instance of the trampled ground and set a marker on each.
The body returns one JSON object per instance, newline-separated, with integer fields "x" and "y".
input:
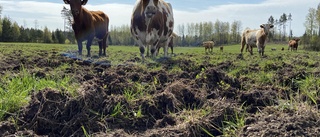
{"x": 190, "y": 94}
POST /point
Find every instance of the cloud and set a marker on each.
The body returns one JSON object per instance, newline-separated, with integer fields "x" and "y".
{"x": 251, "y": 15}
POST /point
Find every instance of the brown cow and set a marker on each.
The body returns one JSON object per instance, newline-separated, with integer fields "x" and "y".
{"x": 89, "y": 24}
{"x": 208, "y": 45}
{"x": 152, "y": 23}
{"x": 252, "y": 38}
{"x": 293, "y": 44}
{"x": 221, "y": 48}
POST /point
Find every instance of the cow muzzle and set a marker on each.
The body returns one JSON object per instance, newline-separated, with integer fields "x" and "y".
{"x": 75, "y": 12}
{"x": 150, "y": 11}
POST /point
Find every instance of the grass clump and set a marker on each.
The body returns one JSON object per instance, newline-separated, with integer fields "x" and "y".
{"x": 15, "y": 92}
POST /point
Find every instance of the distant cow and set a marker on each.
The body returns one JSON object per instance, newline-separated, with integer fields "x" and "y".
{"x": 152, "y": 23}
{"x": 282, "y": 48}
{"x": 257, "y": 37}
{"x": 293, "y": 44}
{"x": 89, "y": 24}
{"x": 273, "y": 49}
{"x": 221, "y": 48}
{"x": 208, "y": 45}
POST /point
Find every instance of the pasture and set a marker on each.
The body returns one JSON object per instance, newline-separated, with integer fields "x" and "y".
{"x": 189, "y": 94}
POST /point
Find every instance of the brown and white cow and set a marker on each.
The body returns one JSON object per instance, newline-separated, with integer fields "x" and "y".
{"x": 208, "y": 45}
{"x": 257, "y": 37}
{"x": 293, "y": 44}
{"x": 152, "y": 23}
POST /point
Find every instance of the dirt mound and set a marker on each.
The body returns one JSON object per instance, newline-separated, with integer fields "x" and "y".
{"x": 286, "y": 123}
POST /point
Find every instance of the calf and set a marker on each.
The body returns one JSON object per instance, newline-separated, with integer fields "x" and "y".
{"x": 208, "y": 45}
{"x": 89, "y": 24}
{"x": 293, "y": 44}
{"x": 257, "y": 37}
{"x": 152, "y": 23}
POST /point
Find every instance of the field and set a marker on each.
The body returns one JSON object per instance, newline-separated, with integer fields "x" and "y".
{"x": 45, "y": 90}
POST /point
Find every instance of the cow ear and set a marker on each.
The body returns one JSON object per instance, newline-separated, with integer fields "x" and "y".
{"x": 84, "y": 2}
{"x": 66, "y": 1}
{"x": 261, "y": 26}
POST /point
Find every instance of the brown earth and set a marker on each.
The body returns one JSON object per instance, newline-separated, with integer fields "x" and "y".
{"x": 195, "y": 101}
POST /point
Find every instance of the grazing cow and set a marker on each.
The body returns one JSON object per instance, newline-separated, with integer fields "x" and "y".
{"x": 221, "y": 48}
{"x": 89, "y": 24}
{"x": 208, "y": 45}
{"x": 152, "y": 23}
{"x": 173, "y": 35}
{"x": 257, "y": 37}
{"x": 293, "y": 44}
{"x": 273, "y": 49}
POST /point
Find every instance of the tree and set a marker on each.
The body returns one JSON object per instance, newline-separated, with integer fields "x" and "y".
{"x": 235, "y": 32}
{"x": 15, "y": 32}
{"x": 7, "y": 30}
{"x": 68, "y": 19}
{"x": 283, "y": 20}
{"x": 318, "y": 18}
{"x": 47, "y": 37}
{"x": 59, "y": 36}
{"x": 310, "y": 23}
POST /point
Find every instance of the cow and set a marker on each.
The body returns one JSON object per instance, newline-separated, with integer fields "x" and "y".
{"x": 89, "y": 24}
{"x": 293, "y": 44}
{"x": 208, "y": 45}
{"x": 221, "y": 48}
{"x": 152, "y": 23}
{"x": 173, "y": 35}
{"x": 257, "y": 37}
{"x": 282, "y": 48}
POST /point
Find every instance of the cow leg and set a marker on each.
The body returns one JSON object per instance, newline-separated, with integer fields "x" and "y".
{"x": 148, "y": 50}
{"x": 142, "y": 50}
{"x": 89, "y": 42}
{"x": 105, "y": 45}
{"x": 100, "y": 47}
{"x": 243, "y": 43}
{"x": 153, "y": 51}
{"x": 250, "y": 49}
{"x": 79, "y": 47}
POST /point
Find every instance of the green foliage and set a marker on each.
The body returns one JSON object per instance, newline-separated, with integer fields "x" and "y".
{"x": 15, "y": 92}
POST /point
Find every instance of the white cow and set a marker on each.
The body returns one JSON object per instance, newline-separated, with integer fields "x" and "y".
{"x": 252, "y": 38}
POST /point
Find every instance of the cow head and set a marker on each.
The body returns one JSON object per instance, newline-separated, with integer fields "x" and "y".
{"x": 75, "y": 5}
{"x": 266, "y": 28}
{"x": 150, "y": 7}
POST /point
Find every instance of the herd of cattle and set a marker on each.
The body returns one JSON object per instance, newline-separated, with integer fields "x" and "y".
{"x": 152, "y": 25}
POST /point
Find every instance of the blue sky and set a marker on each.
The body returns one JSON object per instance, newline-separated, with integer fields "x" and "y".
{"x": 251, "y": 13}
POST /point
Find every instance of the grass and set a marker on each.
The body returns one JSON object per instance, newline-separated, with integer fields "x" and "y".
{"x": 15, "y": 91}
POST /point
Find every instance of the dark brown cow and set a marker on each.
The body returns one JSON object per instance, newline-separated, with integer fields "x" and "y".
{"x": 221, "y": 48}
{"x": 89, "y": 24}
{"x": 152, "y": 23}
{"x": 293, "y": 44}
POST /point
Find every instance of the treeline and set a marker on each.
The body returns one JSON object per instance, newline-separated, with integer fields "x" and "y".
{"x": 311, "y": 37}
{"x": 10, "y": 31}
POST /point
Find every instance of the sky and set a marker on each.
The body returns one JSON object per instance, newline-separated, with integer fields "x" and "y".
{"x": 251, "y": 13}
